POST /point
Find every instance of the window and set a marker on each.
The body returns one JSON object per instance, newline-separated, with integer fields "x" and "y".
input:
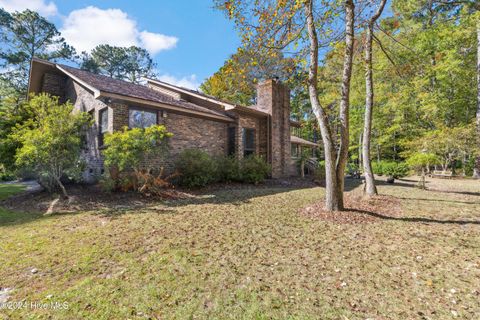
{"x": 103, "y": 127}
{"x": 295, "y": 150}
{"x": 139, "y": 118}
{"x": 231, "y": 140}
{"x": 248, "y": 142}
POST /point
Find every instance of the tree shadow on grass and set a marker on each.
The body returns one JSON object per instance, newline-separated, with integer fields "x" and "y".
{"x": 222, "y": 194}
{"x": 439, "y": 200}
{"x": 415, "y": 219}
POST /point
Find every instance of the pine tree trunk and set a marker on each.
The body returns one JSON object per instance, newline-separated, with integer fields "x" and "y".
{"x": 476, "y": 171}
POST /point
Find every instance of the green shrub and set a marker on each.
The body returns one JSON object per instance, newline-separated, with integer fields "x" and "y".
{"x": 395, "y": 169}
{"x": 320, "y": 171}
{"x": 126, "y": 152}
{"x": 228, "y": 169}
{"x": 254, "y": 169}
{"x": 196, "y": 168}
{"x": 351, "y": 168}
{"x": 7, "y": 176}
{"x": 51, "y": 141}
{"x": 390, "y": 168}
{"x": 469, "y": 166}
{"x": 377, "y": 167}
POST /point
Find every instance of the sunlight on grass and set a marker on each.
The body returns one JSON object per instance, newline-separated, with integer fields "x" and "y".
{"x": 7, "y": 190}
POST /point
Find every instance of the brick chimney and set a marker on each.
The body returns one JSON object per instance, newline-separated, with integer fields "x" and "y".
{"x": 274, "y": 98}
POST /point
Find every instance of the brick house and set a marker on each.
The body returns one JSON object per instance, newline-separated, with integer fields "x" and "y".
{"x": 196, "y": 120}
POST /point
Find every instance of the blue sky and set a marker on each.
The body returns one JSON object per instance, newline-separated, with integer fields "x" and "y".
{"x": 188, "y": 39}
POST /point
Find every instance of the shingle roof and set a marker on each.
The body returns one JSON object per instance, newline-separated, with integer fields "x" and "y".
{"x": 232, "y": 106}
{"x": 120, "y": 87}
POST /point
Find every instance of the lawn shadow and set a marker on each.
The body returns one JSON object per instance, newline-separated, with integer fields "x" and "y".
{"x": 235, "y": 196}
{"x": 114, "y": 205}
{"x": 409, "y": 183}
{"x": 439, "y": 200}
{"x": 415, "y": 219}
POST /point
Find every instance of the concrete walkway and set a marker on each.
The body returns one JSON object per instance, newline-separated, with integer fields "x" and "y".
{"x": 30, "y": 185}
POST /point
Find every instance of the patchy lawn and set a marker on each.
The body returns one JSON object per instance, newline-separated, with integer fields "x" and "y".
{"x": 249, "y": 253}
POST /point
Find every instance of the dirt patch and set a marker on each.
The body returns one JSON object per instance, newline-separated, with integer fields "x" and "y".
{"x": 358, "y": 210}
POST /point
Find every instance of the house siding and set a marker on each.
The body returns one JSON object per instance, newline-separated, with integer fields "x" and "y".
{"x": 188, "y": 133}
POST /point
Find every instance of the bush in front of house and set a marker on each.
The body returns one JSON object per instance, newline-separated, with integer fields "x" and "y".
{"x": 254, "y": 169}
{"x": 51, "y": 141}
{"x": 228, "y": 169}
{"x": 125, "y": 154}
{"x": 196, "y": 168}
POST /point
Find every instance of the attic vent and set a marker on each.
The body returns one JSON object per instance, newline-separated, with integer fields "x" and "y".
{"x": 173, "y": 94}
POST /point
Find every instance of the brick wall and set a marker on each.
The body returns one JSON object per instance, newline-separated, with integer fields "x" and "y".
{"x": 189, "y": 132}
{"x": 274, "y": 98}
{"x": 54, "y": 84}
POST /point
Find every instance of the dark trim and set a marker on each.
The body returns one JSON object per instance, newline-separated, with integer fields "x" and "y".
{"x": 100, "y": 133}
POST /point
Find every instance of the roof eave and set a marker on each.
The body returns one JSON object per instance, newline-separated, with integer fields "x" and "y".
{"x": 96, "y": 92}
{"x": 224, "y": 104}
{"x": 164, "y": 106}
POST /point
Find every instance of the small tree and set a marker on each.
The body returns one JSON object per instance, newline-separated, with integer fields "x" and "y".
{"x": 51, "y": 141}
{"x": 420, "y": 162}
{"x": 126, "y": 150}
{"x": 302, "y": 160}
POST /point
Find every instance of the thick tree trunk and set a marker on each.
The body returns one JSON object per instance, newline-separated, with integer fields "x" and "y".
{"x": 345, "y": 100}
{"x": 370, "y": 188}
{"x": 476, "y": 172}
{"x": 334, "y": 191}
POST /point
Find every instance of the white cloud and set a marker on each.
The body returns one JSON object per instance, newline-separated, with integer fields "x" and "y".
{"x": 155, "y": 42}
{"x": 41, "y": 6}
{"x": 88, "y": 27}
{"x": 189, "y": 82}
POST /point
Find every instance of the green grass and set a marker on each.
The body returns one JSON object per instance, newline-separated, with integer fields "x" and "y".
{"x": 7, "y": 190}
{"x": 248, "y": 254}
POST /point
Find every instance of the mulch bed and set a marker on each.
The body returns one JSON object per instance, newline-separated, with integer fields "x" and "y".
{"x": 358, "y": 210}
